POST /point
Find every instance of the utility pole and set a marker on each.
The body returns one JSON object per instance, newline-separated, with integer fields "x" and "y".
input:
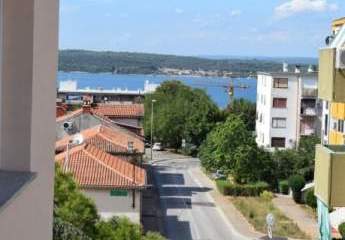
{"x": 152, "y": 102}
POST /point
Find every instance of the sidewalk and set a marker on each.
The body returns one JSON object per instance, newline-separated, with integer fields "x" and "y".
{"x": 293, "y": 211}
{"x": 236, "y": 219}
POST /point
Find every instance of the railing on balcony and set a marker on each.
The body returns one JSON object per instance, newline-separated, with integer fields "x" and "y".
{"x": 307, "y": 132}
{"x": 308, "y": 111}
{"x": 309, "y": 92}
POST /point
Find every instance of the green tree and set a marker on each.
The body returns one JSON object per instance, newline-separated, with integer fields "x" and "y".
{"x": 246, "y": 110}
{"x": 285, "y": 161}
{"x": 71, "y": 206}
{"x": 306, "y": 161}
{"x": 217, "y": 152}
{"x": 180, "y": 112}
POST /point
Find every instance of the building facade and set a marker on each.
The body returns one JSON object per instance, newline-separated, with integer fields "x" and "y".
{"x": 330, "y": 155}
{"x": 287, "y": 108}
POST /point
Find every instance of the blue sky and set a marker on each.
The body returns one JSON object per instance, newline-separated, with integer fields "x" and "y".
{"x": 199, "y": 27}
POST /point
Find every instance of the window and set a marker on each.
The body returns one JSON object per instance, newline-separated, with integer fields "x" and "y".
{"x": 280, "y": 82}
{"x": 279, "y": 102}
{"x": 278, "y": 122}
{"x": 341, "y": 126}
{"x": 278, "y": 142}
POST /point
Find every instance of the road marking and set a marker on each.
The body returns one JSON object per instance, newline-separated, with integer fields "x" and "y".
{"x": 220, "y": 211}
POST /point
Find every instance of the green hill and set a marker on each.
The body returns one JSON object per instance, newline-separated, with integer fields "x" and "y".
{"x": 145, "y": 63}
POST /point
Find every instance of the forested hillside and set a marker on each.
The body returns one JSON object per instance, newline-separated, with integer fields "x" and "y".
{"x": 144, "y": 63}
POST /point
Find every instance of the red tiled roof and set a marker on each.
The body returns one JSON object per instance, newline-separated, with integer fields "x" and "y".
{"x": 120, "y": 110}
{"x": 109, "y": 139}
{"x": 94, "y": 168}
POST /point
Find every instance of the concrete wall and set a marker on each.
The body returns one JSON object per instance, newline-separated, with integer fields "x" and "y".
{"x": 81, "y": 122}
{"x": 109, "y": 206}
{"x": 28, "y": 82}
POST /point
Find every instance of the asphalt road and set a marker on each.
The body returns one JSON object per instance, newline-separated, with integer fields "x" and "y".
{"x": 189, "y": 212}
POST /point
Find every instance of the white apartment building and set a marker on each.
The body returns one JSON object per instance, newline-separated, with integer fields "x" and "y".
{"x": 287, "y": 107}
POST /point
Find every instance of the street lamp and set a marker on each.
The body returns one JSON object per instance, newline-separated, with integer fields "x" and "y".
{"x": 152, "y": 102}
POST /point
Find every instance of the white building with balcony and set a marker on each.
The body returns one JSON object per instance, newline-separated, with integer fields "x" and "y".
{"x": 287, "y": 107}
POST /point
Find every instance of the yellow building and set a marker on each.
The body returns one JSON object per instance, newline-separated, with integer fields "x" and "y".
{"x": 330, "y": 156}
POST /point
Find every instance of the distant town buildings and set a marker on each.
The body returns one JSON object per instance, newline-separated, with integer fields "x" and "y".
{"x": 69, "y": 92}
{"x": 287, "y": 107}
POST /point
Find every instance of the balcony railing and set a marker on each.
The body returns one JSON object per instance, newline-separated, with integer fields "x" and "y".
{"x": 308, "y": 111}
{"x": 309, "y": 92}
{"x": 331, "y": 83}
{"x": 329, "y": 174}
{"x": 307, "y": 132}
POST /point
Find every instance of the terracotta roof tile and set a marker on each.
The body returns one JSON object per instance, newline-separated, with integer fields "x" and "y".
{"x": 120, "y": 110}
{"x": 106, "y": 138}
{"x": 94, "y": 168}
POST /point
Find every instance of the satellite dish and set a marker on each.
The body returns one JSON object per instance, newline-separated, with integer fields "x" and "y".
{"x": 78, "y": 139}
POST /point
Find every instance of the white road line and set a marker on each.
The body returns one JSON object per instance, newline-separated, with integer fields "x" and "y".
{"x": 220, "y": 211}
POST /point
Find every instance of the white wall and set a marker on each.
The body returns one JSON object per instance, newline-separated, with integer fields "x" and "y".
{"x": 109, "y": 206}
{"x": 266, "y": 93}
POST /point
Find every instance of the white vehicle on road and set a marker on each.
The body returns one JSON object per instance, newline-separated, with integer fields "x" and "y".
{"x": 157, "y": 147}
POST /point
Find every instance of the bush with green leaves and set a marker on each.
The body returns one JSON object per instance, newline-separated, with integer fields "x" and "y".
{"x": 310, "y": 199}
{"x": 233, "y": 189}
{"x": 284, "y": 187}
{"x": 266, "y": 196}
{"x": 341, "y": 229}
{"x": 296, "y": 183}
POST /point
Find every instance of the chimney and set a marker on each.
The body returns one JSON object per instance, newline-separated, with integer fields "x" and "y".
{"x": 86, "y": 107}
{"x": 298, "y": 69}
{"x": 285, "y": 67}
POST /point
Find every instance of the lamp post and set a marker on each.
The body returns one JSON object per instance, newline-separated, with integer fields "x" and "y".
{"x": 152, "y": 102}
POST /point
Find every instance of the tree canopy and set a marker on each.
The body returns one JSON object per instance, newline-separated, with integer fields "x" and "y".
{"x": 231, "y": 147}
{"x": 180, "y": 112}
{"x": 246, "y": 110}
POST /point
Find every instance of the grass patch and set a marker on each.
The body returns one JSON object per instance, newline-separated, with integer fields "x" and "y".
{"x": 255, "y": 210}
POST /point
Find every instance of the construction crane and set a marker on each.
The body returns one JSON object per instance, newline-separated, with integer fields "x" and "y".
{"x": 229, "y": 88}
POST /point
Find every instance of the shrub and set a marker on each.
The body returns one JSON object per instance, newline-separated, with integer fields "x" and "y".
{"x": 255, "y": 189}
{"x": 266, "y": 196}
{"x": 341, "y": 230}
{"x": 296, "y": 183}
{"x": 310, "y": 199}
{"x": 284, "y": 187}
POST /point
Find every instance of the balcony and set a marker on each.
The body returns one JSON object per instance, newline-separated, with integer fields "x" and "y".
{"x": 331, "y": 82}
{"x": 308, "y": 111}
{"x": 308, "y": 132}
{"x": 309, "y": 93}
{"x": 329, "y": 174}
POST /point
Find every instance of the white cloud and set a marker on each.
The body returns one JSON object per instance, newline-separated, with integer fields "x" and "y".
{"x": 298, "y": 6}
{"x": 235, "y": 12}
{"x": 179, "y": 11}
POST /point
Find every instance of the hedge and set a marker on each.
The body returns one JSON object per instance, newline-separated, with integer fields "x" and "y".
{"x": 296, "y": 183}
{"x": 310, "y": 199}
{"x": 232, "y": 189}
{"x": 284, "y": 187}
